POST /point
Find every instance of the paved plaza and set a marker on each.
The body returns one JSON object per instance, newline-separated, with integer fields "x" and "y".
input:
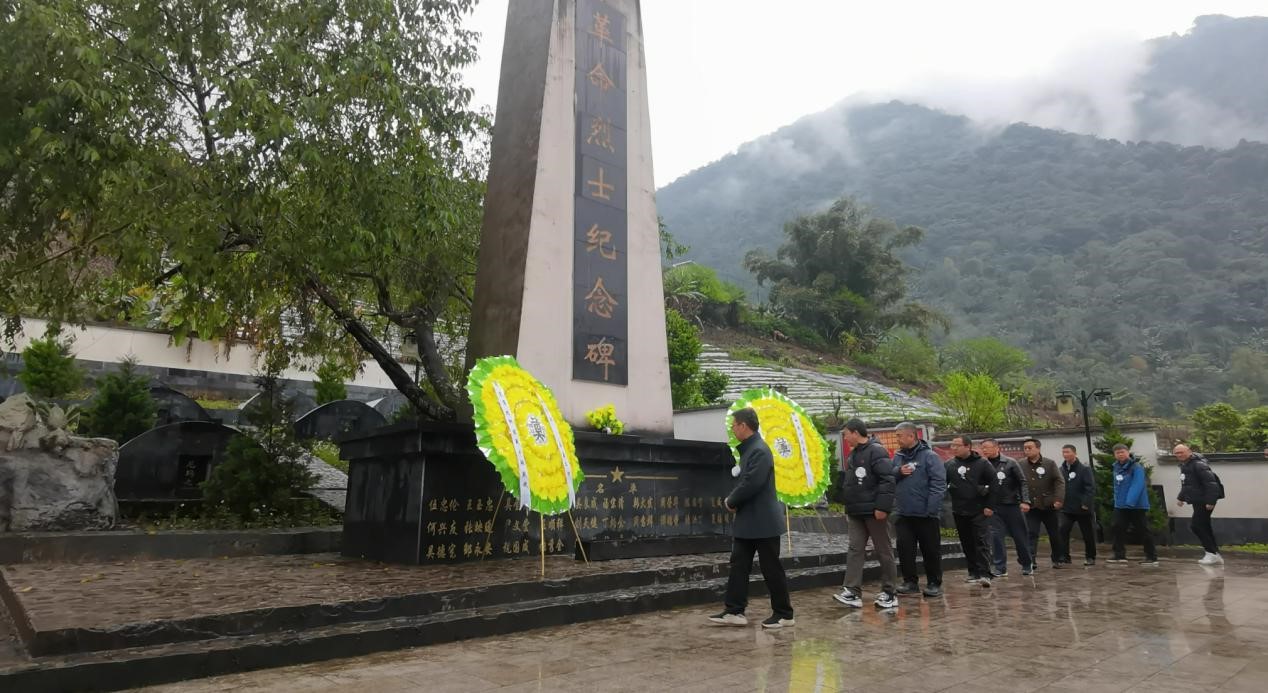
{"x": 1179, "y": 627}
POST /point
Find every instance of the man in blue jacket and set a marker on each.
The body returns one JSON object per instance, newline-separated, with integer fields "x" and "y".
{"x": 1131, "y": 506}
{"x": 759, "y": 522}
{"x": 921, "y": 483}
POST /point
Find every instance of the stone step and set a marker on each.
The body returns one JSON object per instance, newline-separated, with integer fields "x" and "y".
{"x": 139, "y": 666}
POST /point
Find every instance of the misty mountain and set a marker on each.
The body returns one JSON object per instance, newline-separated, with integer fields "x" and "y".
{"x": 1138, "y": 266}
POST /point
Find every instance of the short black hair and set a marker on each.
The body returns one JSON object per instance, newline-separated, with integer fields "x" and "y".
{"x": 964, "y": 440}
{"x": 746, "y": 416}
{"x": 1032, "y": 440}
{"x": 856, "y": 426}
{"x": 989, "y": 440}
{"x": 1068, "y": 446}
{"x": 1120, "y": 446}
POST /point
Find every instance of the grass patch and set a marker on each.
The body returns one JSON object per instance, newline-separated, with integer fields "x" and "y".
{"x": 751, "y": 355}
{"x": 221, "y": 404}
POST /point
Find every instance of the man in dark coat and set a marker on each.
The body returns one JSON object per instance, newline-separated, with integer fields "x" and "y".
{"x": 1080, "y": 505}
{"x": 1047, "y": 496}
{"x": 1012, "y": 502}
{"x": 869, "y": 498}
{"x": 1200, "y": 488}
{"x": 921, "y": 485}
{"x": 758, "y": 525}
{"x": 970, "y": 483}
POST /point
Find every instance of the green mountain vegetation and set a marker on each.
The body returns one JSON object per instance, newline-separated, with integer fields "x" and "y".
{"x": 1137, "y": 266}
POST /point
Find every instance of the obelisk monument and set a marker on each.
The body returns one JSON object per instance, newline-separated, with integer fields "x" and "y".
{"x": 569, "y": 276}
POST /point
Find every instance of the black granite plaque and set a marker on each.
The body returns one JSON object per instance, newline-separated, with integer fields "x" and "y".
{"x": 601, "y": 219}
{"x": 169, "y": 461}
{"x": 426, "y": 494}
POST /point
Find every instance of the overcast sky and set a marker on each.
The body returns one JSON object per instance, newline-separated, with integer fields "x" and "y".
{"x": 723, "y": 72}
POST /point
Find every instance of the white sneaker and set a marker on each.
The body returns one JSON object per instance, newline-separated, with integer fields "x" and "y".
{"x": 849, "y": 598}
{"x": 725, "y": 619}
{"x": 885, "y": 600}
{"x": 1211, "y": 559}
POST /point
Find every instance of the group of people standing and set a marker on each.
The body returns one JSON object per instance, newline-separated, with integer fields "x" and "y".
{"x": 993, "y": 496}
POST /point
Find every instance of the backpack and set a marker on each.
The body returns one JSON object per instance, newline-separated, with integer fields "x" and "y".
{"x": 1220, "y": 484}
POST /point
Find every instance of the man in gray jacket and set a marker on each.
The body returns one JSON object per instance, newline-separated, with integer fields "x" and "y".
{"x": 921, "y": 481}
{"x": 758, "y": 525}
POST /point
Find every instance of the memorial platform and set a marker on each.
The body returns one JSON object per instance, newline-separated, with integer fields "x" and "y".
{"x": 110, "y": 626}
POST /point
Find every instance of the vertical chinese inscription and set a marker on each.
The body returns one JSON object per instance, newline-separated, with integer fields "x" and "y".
{"x": 600, "y": 251}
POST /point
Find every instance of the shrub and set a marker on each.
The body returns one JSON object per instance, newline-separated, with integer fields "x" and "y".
{"x": 1217, "y": 427}
{"x": 330, "y": 382}
{"x": 907, "y": 357}
{"x": 713, "y": 385}
{"x": 989, "y": 356}
{"x": 123, "y": 408}
{"x": 48, "y": 369}
{"x": 1255, "y": 429}
{"x": 971, "y": 402}
{"x": 684, "y": 360}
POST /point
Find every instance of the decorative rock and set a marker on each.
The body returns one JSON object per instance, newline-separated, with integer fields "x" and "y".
{"x": 50, "y": 480}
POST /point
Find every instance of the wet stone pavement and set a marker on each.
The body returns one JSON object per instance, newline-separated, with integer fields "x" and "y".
{"x": 1180, "y": 627}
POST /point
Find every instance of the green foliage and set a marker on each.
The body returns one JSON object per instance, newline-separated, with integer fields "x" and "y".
{"x": 604, "y": 419}
{"x": 306, "y": 176}
{"x": 670, "y": 248}
{"x": 123, "y": 407}
{"x": 684, "y": 360}
{"x": 713, "y": 385}
{"x": 1255, "y": 429}
{"x": 48, "y": 369}
{"x": 771, "y": 322}
{"x": 1242, "y": 398}
{"x": 839, "y": 271}
{"x": 261, "y": 475}
{"x": 330, "y": 382}
{"x": 328, "y": 452}
{"x": 907, "y": 356}
{"x": 1034, "y": 236}
{"x": 1004, "y": 363}
{"x": 220, "y": 404}
{"x": 972, "y": 403}
{"x": 1217, "y": 427}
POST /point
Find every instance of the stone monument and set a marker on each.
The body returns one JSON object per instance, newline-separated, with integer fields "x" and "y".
{"x": 569, "y": 276}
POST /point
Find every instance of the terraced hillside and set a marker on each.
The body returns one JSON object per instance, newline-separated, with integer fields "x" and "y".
{"x": 819, "y": 392}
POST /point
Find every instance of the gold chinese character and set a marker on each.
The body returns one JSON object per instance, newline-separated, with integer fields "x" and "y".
{"x": 602, "y": 189}
{"x": 600, "y": 240}
{"x": 600, "y": 354}
{"x": 601, "y": 134}
{"x": 599, "y": 301}
{"x": 600, "y": 489}
{"x": 599, "y": 77}
{"x": 601, "y": 27}
{"x": 633, "y": 487}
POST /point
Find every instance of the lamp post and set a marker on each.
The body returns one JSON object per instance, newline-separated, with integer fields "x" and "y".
{"x": 1065, "y": 405}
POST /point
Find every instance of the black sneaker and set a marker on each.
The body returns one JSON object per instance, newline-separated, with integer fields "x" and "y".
{"x": 1117, "y": 561}
{"x": 1027, "y": 572}
{"x": 933, "y": 591}
{"x": 1057, "y": 565}
{"x": 1000, "y": 576}
{"x": 972, "y": 578}
{"x": 908, "y": 588}
{"x": 775, "y": 622}
{"x": 1089, "y": 562}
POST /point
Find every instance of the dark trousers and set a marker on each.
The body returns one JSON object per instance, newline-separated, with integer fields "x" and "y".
{"x": 1009, "y": 520}
{"x": 1046, "y": 519}
{"x": 1086, "y": 528}
{"x": 1128, "y": 517}
{"x": 922, "y": 533}
{"x": 772, "y": 571}
{"x": 975, "y": 540}
{"x": 1201, "y": 526}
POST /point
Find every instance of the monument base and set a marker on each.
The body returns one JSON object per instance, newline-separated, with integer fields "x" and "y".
{"x": 423, "y": 493}
{"x": 647, "y": 548}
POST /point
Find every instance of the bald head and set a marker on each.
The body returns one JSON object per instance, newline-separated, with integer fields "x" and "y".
{"x": 1182, "y": 452}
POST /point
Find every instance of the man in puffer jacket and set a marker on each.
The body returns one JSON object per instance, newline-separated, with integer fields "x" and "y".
{"x": 921, "y": 482}
{"x": 869, "y": 497}
{"x": 1200, "y": 488}
{"x": 970, "y": 483}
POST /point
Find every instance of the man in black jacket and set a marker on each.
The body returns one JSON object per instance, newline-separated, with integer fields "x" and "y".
{"x": 1080, "y": 505}
{"x": 1200, "y": 488}
{"x": 869, "y": 498}
{"x": 970, "y": 481}
{"x": 759, "y": 522}
{"x": 1012, "y": 502}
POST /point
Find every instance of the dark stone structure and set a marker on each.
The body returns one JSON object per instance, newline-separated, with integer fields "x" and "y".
{"x": 301, "y": 404}
{"x": 174, "y": 406}
{"x": 389, "y": 404}
{"x": 169, "y": 462}
{"x": 423, "y": 494}
{"x": 335, "y": 420}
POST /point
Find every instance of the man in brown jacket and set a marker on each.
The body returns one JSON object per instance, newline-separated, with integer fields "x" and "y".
{"x": 1047, "y": 494}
